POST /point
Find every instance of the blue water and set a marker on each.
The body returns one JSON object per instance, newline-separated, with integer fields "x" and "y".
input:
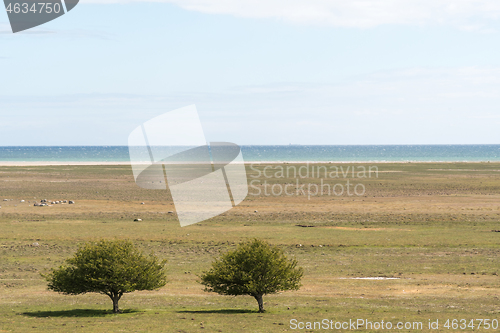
{"x": 385, "y": 153}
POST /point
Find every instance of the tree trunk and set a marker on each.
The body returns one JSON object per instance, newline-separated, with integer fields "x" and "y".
{"x": 261, "y": 302}
{"x": 115, "y": 298}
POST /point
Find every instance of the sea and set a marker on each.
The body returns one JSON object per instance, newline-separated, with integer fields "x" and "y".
{"x": 279, "y": 153}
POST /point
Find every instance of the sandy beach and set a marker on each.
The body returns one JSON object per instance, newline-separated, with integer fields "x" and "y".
{"x": 93, "y": 163}
{"x": 58, "y": 163}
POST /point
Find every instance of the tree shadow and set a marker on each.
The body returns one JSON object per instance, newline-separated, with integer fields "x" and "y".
{"x": 223, "y": 311}
{"x": 75, "y": 313}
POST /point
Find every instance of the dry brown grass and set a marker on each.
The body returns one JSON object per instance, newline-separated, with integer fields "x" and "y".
{"x": 430, "y": 226}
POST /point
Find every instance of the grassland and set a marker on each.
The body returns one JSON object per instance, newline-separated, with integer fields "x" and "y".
{"x": 430, "y": 225}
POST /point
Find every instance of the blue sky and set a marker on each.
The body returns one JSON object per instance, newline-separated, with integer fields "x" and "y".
{"x": 259, "y": 72}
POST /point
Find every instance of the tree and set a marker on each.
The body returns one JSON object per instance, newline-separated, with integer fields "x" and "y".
{"x": 111, "y": 268}
{"x": 255, "y": 268}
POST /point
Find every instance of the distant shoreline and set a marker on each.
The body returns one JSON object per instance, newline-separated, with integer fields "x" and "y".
{"x": 120, "y": 155}
{"x": 106, "y": 163}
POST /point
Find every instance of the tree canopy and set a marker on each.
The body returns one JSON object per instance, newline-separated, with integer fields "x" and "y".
{"x": 111, "y": 268}
{"x": 254, "y": 268}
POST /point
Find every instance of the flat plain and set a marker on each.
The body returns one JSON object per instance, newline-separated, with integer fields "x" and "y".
{"x": 426, "y": 231}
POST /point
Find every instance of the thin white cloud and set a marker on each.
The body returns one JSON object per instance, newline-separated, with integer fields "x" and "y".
{"x": 466, "y": 14}
{"x": 4, "y": 28}
{"x": 419, "y": 105}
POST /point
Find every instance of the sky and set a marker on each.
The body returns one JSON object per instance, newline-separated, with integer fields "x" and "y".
{"x": 259, "y": 71}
